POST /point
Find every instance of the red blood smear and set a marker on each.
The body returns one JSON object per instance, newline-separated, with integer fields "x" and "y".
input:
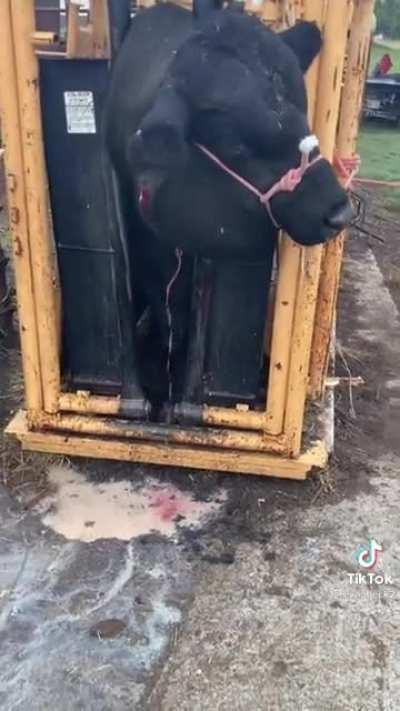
{"x": 168, "y": 507}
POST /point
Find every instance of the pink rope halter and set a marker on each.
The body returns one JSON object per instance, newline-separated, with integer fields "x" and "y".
{"x": 347, "y": 168}
{"x": 288, "y": 183}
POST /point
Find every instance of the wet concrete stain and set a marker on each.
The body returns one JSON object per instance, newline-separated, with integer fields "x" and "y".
{"x": 81, "y": 606}
{"x": 81, "y": 509}
{"x": 56, "y": 593}
{"x": 107, "y": 629}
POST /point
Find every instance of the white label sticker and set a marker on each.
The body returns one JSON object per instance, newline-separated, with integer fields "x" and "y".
{"x": 79, "y": 112}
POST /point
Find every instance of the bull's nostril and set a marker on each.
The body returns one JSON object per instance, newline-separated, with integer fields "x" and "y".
{"x": 341, "y": 216}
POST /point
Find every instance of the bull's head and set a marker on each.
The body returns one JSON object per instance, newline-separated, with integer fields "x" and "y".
{"x": 238, "y": 89}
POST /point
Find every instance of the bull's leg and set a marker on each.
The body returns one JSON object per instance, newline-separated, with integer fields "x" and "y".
{"x": 170, "y": 305}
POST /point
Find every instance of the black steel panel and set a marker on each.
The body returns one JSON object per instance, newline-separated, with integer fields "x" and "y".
{"x": 48, "y": 15}
{"x": 84, "y": 224}
{"x": 225, "y": 363}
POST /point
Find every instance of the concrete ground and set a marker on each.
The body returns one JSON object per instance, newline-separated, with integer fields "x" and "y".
{"x": 256, "y": 606}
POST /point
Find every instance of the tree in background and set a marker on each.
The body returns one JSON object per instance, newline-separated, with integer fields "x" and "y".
{"x": 388, "y": 18}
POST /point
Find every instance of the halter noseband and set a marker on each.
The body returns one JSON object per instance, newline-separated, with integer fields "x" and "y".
{"x": 288, "y": 183}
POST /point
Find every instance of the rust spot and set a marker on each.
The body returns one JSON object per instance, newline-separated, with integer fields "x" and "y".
{"x": 335, "y": 78}
{"x": 12, "y": 182}
{"x": 18, "y": 251}
{"x": 278, "y": 366}
{"x": 14, "y": 216}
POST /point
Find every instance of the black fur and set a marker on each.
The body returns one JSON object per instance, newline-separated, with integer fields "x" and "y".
{"x": 305, "y": 40}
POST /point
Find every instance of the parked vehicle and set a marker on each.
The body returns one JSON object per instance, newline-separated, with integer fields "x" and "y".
{"x": 382, "y": 93}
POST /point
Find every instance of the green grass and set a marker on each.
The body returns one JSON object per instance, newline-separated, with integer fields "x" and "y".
{"x": 379, "y": 147}
{"x": 377, "y": 52}
{"x": 379, "y": 142}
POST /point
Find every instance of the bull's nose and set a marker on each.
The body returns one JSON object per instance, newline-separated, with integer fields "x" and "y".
{"x": 341, "y": 216}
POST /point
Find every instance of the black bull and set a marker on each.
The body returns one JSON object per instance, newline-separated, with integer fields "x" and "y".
{"x": 224, "y": 81}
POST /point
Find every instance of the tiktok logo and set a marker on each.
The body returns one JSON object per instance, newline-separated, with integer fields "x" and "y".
{"x": 367, "y": 556}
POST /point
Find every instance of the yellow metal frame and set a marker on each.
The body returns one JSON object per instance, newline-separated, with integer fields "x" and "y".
{"x": 236, "y": 439}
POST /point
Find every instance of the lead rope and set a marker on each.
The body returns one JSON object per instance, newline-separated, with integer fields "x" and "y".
{"x": 178, "y": 254}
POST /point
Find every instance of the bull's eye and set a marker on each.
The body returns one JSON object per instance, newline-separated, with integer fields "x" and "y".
{"x": 278, "y": 87}
{"x": 276, "y": 115}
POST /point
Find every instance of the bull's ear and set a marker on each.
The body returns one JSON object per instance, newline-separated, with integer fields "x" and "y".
{"x": 305, "y": 40}
{"x": 161, "y": 137}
